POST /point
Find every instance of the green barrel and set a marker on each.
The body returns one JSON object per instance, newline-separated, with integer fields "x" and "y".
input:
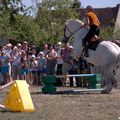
{"x": 94, "y": 81}
{"x": 49, "y": 82}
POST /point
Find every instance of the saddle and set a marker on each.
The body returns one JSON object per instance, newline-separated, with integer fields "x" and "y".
{"x": 94, "y": 42}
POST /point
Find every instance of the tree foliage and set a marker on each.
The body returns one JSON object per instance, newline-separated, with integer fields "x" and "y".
{"x": 47, "y": 26}
{"x": 11, "y": 8}
{"x": 51, "y": 17}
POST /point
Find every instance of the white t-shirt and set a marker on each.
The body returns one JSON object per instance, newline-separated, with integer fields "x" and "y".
{"x": 59, "y": 59}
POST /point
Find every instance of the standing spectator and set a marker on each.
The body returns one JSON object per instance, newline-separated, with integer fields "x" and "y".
{"x": 15, "y": 55}
{"x": 1, "y": 76}
{"x": 25, "y": 67}
{"x": 8, "y": 49}
{"x": 5, "y": 67}
{"x": 42, "y": 65}
{"x": 19, "y": 47}
{"x": 66, "y": 52}
{"x": 25, "y": 46}
{"x": 74, "y": 70}
{"x": 45, "y": 49}
{"x": 8, "y": 53}
{"x": 34, "y": 51}
{"x": 34, "y": 70}
{"x": 51, "y": 58}
{"x": 59, "y": 63}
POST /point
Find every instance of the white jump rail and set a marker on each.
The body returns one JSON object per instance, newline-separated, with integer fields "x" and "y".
{"x": 7, "y": 85}
{"x": 79, "y": 91}
{"x": 3, "y": 87}
{"x": 75, "y": 75}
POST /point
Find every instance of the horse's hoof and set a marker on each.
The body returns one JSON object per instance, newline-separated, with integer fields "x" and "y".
{"x": 115, "y": 84}
{"x": 104, "y": 92}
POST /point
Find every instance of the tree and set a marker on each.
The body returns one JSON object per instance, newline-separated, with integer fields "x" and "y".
{"x": 15, "y": 25}
{"x": 76, "y": 4}
{"x": 11, "y": 8}
{"x": 51, "y": 17}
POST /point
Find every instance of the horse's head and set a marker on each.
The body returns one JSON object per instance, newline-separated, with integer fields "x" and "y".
{"x": 71, "y": 27}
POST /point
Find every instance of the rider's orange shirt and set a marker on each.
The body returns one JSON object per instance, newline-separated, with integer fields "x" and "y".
{"x": 93, "y": 18}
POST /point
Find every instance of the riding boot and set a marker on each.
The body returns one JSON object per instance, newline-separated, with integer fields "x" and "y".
{"x": 86, "y": 51}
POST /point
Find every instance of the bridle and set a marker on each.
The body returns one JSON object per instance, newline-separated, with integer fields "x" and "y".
{"x": 72, "y": 33}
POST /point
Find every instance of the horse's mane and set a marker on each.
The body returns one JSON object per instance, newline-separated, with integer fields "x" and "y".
{"x": 74, "y": 21}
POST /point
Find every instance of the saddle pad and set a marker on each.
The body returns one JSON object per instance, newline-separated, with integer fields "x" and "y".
{"x": 93, "y": 45}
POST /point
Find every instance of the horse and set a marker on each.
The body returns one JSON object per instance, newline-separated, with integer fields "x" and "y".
{"x": 106, "y": 55}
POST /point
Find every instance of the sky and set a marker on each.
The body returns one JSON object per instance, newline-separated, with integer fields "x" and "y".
{"x": 93, "y": 3}
{"x": 100, "y": 3}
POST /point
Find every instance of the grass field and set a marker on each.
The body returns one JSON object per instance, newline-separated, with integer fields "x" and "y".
{"x": 68, "y": 107}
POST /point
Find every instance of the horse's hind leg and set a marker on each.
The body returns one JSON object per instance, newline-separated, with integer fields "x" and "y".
{"x": 109, "y": 79}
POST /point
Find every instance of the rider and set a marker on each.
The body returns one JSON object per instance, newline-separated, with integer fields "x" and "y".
{"x": 94, "y": 23}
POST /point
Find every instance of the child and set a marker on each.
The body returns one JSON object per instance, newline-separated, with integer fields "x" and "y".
{"x": 42, "y": 65}
{"x": 25, "y": 67}
{"x": 34, "y": 70}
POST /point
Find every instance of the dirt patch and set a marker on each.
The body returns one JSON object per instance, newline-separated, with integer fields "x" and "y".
{"x": 68, "y": 107}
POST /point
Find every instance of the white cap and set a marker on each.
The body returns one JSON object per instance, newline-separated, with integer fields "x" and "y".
{"x": 9, "y": 45}
{"x": 18, "y": 44}
{"x": 15, "y": 47}
{"x": 71, "y": 46}
{"x": 59, "y": 43}
{"x": 41, "y": 52}
{"x": 33, "y": 56}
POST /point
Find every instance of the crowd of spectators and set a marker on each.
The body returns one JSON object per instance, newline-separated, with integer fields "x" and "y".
{"x": 25, "y": 62}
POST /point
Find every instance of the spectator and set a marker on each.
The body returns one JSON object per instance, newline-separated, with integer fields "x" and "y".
{"x": 66, "y": 52}
{"x": 51, "y": 58}
{"x": 34, "y": 70}
{"x": 15, "y": 55}
{"x": 33, "y": 51}
{"x": 25, "y": 67}
{"x": 59, "y": 63}
{"x": 8, "y": 53}
{"x": 19, "y": 47}
{"x": 45, "y": 49}
{"x": 5, "y": 67}
{"x": 25, "y": 46}
{"x": 42, "y": 65}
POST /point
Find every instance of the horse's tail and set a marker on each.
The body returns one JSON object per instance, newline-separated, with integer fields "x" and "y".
{"x": 118, "y": 61}
{"x": 116, "y": 72}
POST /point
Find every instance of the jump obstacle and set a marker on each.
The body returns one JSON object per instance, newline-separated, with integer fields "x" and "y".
{"x": 92, "y": 79}
{"x": 18, "y": 98}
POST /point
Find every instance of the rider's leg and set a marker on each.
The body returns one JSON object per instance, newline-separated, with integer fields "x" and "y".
{"x": 90, "y": 34}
